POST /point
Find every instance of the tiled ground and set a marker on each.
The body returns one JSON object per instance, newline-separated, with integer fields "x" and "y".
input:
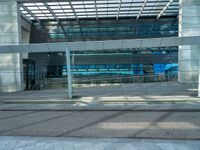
{"x": 120, "y": 97}
{"x": 102, "y": 124}
{"x": 42, "y": 143}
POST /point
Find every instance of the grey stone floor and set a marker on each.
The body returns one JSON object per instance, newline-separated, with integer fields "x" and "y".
{"x": 187, "y": 106}
{"x": 44, "y": 143}
{"x": 102, "y": 124}
{"x": 164, "y": 91}
{"x": 144, "y": 96}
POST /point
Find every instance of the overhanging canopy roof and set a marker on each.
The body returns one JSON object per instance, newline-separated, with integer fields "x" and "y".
{"x": 101, "y": 45}
{"x": 95, "y": 9}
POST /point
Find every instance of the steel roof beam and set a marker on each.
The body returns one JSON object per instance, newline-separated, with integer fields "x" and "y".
{"x": 50, "y": 10}
{"x": 165, "y": 8}
{"x": 120, "y": 3}
{"x": 77, "y": 19}
{"x": 25, "y": 18}
{"x": 97, "y": 10}
{"x": 143, "y": 6}
{"x": 53, "y": 14}
{"x": 32, "y": 15}
{"x": 95, "y": 4}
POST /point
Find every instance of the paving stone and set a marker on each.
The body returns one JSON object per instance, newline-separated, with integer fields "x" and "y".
{"x": 48, "y": 143}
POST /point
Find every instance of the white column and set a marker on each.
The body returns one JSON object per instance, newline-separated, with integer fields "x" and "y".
{"x": 11, "y": 71}
{"x": 199, "y": 81}
{"x": 189, "y": 25}
{"x": 69, "y": 75}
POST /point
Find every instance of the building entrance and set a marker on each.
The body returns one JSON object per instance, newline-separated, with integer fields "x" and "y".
{"x": 29, "y": 74}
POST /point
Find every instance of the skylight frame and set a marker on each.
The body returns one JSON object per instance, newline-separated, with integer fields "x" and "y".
{"x": 93, "y": 8}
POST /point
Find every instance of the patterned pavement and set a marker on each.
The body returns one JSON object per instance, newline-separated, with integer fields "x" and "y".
{"x": 44, "y": 143}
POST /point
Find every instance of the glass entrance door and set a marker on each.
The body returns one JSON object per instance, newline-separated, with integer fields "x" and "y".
{"x": 29, "y": 74}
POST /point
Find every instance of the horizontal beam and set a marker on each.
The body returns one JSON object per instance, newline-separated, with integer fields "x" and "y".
{"x": 124, "y": 59}
{"x": 101, "y": 45}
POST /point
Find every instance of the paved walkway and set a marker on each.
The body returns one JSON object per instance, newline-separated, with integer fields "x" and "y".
{"x": 144, "y": 96}
{"x": 102, "y": 124}
{"x": 108, "y": 130}
{"x": 42, "y": 143}
{"x": 170, "y": 106}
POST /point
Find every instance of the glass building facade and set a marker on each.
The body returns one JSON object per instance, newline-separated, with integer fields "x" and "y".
{"x": 92, "y": 30}
{"x": 123, "y": 62}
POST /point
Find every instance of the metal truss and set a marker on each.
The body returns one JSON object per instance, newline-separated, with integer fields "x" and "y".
{"x": 97, "y": 9}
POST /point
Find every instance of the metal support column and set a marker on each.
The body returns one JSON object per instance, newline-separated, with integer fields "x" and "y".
{"x": 69, "y": 75}
{"x": 199, "y": 80}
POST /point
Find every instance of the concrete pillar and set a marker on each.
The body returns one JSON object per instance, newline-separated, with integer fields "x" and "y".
{"x": 25, "y": 31}
{"x": 189, "y": 25}
{"x": 199, "y": 81}
{"x": 11, "y": 71}
{"x": 25, "y": 34}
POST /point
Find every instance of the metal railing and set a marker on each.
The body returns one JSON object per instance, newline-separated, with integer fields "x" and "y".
{"x": 127, "y": 79}
{"x": 109, "y": 80}
{"x": 40, "y": 81}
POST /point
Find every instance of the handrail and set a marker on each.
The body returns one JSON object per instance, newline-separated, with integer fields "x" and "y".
{"x": 80, "y": 80}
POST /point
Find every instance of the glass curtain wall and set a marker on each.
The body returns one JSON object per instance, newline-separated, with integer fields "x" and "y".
{"x": 133, "y": 62}
{"x": 120, "y": 62}
{"x": 89, "y": 30}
